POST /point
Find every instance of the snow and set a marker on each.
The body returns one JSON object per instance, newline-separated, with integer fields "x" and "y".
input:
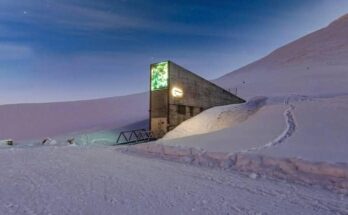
{"x": 101, "y": 180}
{"x": 311, "y": 128}
{"x": 232, "y": 139}
{"x": 313, "y": 65}
{"x": 38, "y": 121}
{"x": 321, "y": 132}
{"x": 331, "y": 176}
{"x": 217, "y": 118}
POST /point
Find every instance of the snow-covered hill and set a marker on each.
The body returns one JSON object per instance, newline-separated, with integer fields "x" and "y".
{"x": 32, "y": 121}
{"x": 315, "y": 64}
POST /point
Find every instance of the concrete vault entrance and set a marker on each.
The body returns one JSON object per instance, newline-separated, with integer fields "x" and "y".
{"x": 177, "y": 94}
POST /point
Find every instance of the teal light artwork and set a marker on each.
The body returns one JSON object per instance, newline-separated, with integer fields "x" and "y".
{"x": 159, "y": 76}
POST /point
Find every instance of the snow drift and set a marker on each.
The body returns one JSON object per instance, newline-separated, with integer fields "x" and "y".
{"x": 217, "y": 118}
{"x": 310, "y": 128}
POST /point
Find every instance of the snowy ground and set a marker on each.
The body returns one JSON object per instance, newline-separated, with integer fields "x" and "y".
{"x": 320, "y": 132}
{"x": 100, "y": 180}
{"x": 311, "y": 128}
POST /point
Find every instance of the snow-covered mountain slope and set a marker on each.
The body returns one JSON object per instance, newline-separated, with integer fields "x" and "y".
{"x": 31, "y": 121}
{"x": 312, "y": 65}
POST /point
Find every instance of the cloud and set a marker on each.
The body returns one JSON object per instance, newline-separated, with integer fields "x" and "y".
{"x": 66, "y": 15}
{"x": 76, "y": 17}
{"x": 12, "y": 51}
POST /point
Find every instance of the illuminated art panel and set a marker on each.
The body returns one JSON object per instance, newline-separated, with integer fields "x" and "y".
{"x": 159, "y": 76}
{"x": 177, "y": 92}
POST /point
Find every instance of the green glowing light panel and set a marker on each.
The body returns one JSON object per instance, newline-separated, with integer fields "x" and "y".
{"x": 159, "y": 76}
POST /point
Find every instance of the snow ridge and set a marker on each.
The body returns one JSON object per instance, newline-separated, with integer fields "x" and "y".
{"x": 331, "y": 176}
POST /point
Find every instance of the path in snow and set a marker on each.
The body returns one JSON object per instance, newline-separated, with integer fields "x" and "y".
{"x": 288, "y": 131}
{"x": 321, "y": 125}
{"x": 82, "y": 180}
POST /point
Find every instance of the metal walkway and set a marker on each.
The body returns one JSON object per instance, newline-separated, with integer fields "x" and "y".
{"x": 134, "y": 137}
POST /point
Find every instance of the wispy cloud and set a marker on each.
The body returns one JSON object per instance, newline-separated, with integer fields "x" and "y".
{"x": 66, "y": 15}
{"x": 77, "y": 17}
{"x": 13, "y": 51}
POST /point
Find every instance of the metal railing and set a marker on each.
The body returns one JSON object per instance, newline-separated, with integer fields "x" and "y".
{"x": 134, "y": 136}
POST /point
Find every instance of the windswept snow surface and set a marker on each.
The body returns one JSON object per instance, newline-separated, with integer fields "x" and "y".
{"x": 37, "y": 121}
{"x": 101, "y": 180}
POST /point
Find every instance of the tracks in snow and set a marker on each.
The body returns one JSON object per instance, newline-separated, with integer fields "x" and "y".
{"x": 288, "y": 131}
{"x": 289, "y": 116}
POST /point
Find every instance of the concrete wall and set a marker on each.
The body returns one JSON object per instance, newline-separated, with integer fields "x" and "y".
{"x": 199, "y": 94}
{"x": 159, "y": 103}
{"x": 159, "y": 112}
{"x": 167, "y": 112}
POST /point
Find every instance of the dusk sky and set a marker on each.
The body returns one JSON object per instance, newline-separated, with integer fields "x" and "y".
{"x": 82, "y": 49}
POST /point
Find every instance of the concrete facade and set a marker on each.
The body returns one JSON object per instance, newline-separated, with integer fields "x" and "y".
{"x": 194, "y": 95}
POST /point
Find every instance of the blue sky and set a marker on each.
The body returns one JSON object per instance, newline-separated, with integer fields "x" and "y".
{"x": 82, "y": 49}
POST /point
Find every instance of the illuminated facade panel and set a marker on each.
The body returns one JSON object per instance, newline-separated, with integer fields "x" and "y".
{"x": 159, "y": 76}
